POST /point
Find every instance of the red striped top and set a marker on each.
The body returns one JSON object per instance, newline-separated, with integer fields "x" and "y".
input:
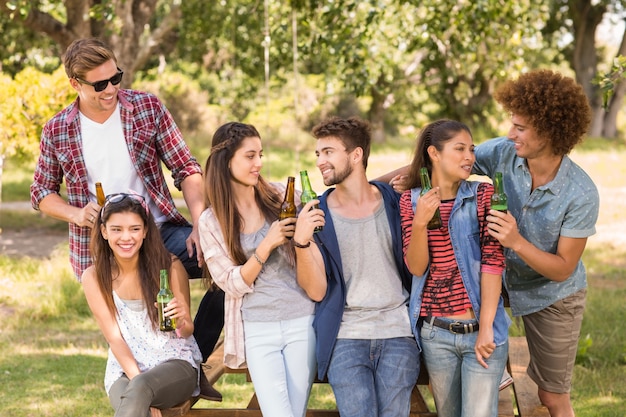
{"x": 444, "y": 293}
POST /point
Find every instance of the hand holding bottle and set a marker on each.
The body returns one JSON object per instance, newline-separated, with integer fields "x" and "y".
{"x": 503, "y": 227}
{"x": 310, "y": 220}
{"x": 427, "y": 207}
{"x": 175, "y": 311}
{"x": 308, "y": 194}
{"x": 280, "y": 232}
{"x": 435, "y": 220}
{"x": 86, "y": 216}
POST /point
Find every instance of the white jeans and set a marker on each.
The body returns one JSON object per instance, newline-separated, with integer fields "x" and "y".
{"x": 281, "y": 362}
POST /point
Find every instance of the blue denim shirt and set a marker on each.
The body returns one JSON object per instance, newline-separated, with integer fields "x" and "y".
{"x": 567, "y": 206}
{"x": 464, "y": 230}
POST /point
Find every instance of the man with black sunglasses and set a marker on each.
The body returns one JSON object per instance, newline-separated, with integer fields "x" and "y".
{"x": 120, "y": 138}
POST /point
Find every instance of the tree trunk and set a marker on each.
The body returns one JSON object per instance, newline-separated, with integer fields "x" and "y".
{"x": 617, "y": 100}
{"x": 125, "y": 33}
{"x": 377, "y": 117}
{"x": 586, "y": 18}
{"x": 377, "y": 114}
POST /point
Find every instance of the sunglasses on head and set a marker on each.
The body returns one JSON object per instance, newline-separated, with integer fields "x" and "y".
{"x": 119, "y": 197}
{"x": 103, "y": 84}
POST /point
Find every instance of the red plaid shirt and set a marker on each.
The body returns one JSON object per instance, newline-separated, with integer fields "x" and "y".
{"x": 151, "y": 135}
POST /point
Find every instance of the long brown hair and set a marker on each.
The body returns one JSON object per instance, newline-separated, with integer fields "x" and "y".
{"x": 220, "y": 196}
{"x": 153, "y": 256}
{"x": 437, "y": 134}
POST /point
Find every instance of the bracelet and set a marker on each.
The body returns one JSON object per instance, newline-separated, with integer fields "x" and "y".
{"x": 298, "y": 245}
{"x": 258, "y": 259}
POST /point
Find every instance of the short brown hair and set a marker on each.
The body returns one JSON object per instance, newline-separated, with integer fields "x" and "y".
{"x": 83, "y": 55}
{"x": 555, "y": 105}
{"x": 353, "y": 133}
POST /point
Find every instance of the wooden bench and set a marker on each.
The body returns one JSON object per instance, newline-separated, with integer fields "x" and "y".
{"x": 518, "y": 400}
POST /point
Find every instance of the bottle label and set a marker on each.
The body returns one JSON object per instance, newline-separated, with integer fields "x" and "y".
{"x": 166, "y": 324}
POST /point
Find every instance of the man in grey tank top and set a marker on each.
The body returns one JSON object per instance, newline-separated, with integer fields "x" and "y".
{"x": 354, "y": 267}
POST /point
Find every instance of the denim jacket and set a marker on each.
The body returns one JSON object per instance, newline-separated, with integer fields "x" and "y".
{"x": 464, "y": 229}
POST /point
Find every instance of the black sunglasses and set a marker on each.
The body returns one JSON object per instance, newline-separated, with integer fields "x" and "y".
{"x": 103, "y": 84}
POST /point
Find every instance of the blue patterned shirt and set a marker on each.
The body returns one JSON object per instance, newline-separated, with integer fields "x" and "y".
{"x": 567, "y": 206}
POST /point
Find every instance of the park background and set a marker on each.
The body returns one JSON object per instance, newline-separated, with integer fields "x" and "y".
{"x": 283, "y": 66}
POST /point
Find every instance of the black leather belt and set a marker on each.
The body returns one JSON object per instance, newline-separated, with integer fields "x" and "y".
{"x": 454, "y": 326}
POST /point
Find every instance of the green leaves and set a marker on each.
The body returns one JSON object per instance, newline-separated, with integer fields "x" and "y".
{"x": 607, "y": 80}
{"x": 27, "y": 102}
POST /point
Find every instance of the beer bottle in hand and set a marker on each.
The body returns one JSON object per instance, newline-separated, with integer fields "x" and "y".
{"x": 435, "y": 222}
{"x": 288, "y": 208}
{"x": 307, "y": 193}
{"x": 165, "y": 295}
{"x": 99, "y": 194}
{"x": 498, "y": 199}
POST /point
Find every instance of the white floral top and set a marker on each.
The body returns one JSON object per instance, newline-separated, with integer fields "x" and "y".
{"x": 149, "y": 347}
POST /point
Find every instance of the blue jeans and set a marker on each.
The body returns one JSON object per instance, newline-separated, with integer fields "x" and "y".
{"x": 281, "y": 362}
{"x": 374, "y": 378}
{"x": 174, "y": 237}
{"x": 460, "y": 385}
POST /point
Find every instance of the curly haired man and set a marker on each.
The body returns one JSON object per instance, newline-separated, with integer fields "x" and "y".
{"x": 552, "y": 210}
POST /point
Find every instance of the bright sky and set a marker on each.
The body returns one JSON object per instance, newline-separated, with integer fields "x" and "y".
{"x": 611, "y": 30}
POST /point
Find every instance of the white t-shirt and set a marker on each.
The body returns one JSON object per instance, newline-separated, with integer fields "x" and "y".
{"x": 108, "y": 160}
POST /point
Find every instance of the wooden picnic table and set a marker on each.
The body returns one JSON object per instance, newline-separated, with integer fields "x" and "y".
{"x": 518, "y": 400}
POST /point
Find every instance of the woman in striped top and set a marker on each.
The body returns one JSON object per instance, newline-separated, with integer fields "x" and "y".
{"x": 456, "y": 306}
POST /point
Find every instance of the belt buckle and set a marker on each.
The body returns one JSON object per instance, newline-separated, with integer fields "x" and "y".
{"x": 454, "y": 324}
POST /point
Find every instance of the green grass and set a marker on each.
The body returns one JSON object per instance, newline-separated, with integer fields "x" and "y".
{"x": 18, "y": 220}
{"x": 16, "y": 180}
{"x": 52, "y": 355}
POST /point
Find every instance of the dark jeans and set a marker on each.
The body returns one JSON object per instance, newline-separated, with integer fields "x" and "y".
{"x": 209, "y": 319}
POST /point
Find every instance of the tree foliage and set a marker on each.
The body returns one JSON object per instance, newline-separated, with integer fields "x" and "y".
{"x": 607, "y": 81}
{"x": 27, "y": 102}
{"x": 407, "y": 61}
{"x": 572, "y": 28}
{"x": 131, "y": 27}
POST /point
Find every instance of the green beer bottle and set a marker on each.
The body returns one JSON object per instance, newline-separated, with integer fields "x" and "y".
{"x": 165, "y": 295}
{"x": 498, "y": 199}
{"x": 307, "y": 193}
{"x": 435, "y": 222}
